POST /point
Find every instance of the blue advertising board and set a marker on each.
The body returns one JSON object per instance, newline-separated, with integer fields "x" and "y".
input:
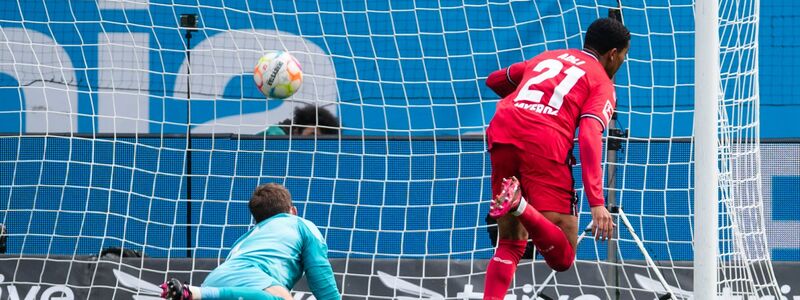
{"x": 371, "y": 198}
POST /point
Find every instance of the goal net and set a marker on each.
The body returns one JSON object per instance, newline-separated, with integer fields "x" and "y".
{"x": 129, "y": 148}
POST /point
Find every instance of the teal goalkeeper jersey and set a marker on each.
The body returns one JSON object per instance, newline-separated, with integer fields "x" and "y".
{"x": 283, "y": 246}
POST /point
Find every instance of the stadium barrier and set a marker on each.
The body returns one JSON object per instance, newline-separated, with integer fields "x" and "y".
{"x": 138, "y": 278}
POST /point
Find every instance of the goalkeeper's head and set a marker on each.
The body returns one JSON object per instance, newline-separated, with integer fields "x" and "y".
{"x": 270, "y": 199}
{"x": 609, "y": 40}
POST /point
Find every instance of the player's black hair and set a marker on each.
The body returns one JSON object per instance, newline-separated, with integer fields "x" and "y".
{"x": 310, "y": 116}
{"x": 605, "y": 34}
{"x": 268, "y": 200}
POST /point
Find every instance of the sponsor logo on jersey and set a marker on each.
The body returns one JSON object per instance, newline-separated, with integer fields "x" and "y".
{"x": 505, "y": 261}
{"x": 608, "y": 110}
{"x": 537, "y": 108}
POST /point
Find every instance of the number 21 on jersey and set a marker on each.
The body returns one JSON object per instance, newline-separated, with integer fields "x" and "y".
{"x": 548, "y": 68}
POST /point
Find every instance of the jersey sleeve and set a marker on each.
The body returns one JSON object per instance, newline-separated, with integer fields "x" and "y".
{"x": 317, "y": 267}
{"x": 600, "y": 105}
{"x": 315, "y": 251}
{"x": 590, "y": 143}
{"x": 505, "y": 81}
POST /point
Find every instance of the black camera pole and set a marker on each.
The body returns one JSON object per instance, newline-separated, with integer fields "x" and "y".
{"x": 189, "y": 23}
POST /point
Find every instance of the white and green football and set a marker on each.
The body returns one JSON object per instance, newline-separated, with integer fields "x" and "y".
{"x": 278, "y": 74}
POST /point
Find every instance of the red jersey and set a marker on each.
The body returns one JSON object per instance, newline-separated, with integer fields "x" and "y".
{"x": 554, "y": 90}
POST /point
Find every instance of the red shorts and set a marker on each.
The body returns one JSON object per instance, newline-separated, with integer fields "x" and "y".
{"x": 546, "y": 184}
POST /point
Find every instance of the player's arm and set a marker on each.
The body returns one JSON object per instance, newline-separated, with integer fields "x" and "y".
{"x": 590, "y": 143}
{"x": 319, "y": 273}
{"x": 505, "y": 81}
{"x": 322, "y": 283}
{"x": 595, "y": 115}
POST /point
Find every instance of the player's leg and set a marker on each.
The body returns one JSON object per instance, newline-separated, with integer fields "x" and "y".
{"x": 279, "y": 291}
{"x": 551, "y": 186}
{"x": 503, "y": 265}
{"x": 548, "y": 238}
{"x": 512, "y": 236}
{"x": 230, "y": 280}
{"x": 553, "y": 209}
{"x": 562, "y": 256}
{"x": 568, "y": 224}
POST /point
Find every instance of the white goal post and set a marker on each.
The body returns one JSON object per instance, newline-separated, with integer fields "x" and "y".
{"x": 731, "y": 258}
{"x": 706, "y": 104}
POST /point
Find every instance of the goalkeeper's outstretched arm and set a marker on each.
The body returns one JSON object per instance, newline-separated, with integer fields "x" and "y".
{"x": 316, "y": 265}
{"x": 322, "y": 284}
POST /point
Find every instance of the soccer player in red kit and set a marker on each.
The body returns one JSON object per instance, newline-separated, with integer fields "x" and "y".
{"x": 530, "y": 144}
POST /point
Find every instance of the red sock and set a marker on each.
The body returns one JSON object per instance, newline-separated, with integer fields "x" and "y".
{"x": 548, "y": 238}
{"x": 501, "y": 268}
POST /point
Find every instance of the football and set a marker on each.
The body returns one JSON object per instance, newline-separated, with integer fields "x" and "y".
{"x": 278, "y": 74}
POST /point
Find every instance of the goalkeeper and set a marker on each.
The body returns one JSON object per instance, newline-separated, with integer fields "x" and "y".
{"x": 531, "y": 138}
{"x": 268, "y": 260}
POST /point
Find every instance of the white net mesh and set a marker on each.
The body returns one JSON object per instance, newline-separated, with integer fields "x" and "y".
{"x": 94, "y": 152}
{"x": 745, "y": 257}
